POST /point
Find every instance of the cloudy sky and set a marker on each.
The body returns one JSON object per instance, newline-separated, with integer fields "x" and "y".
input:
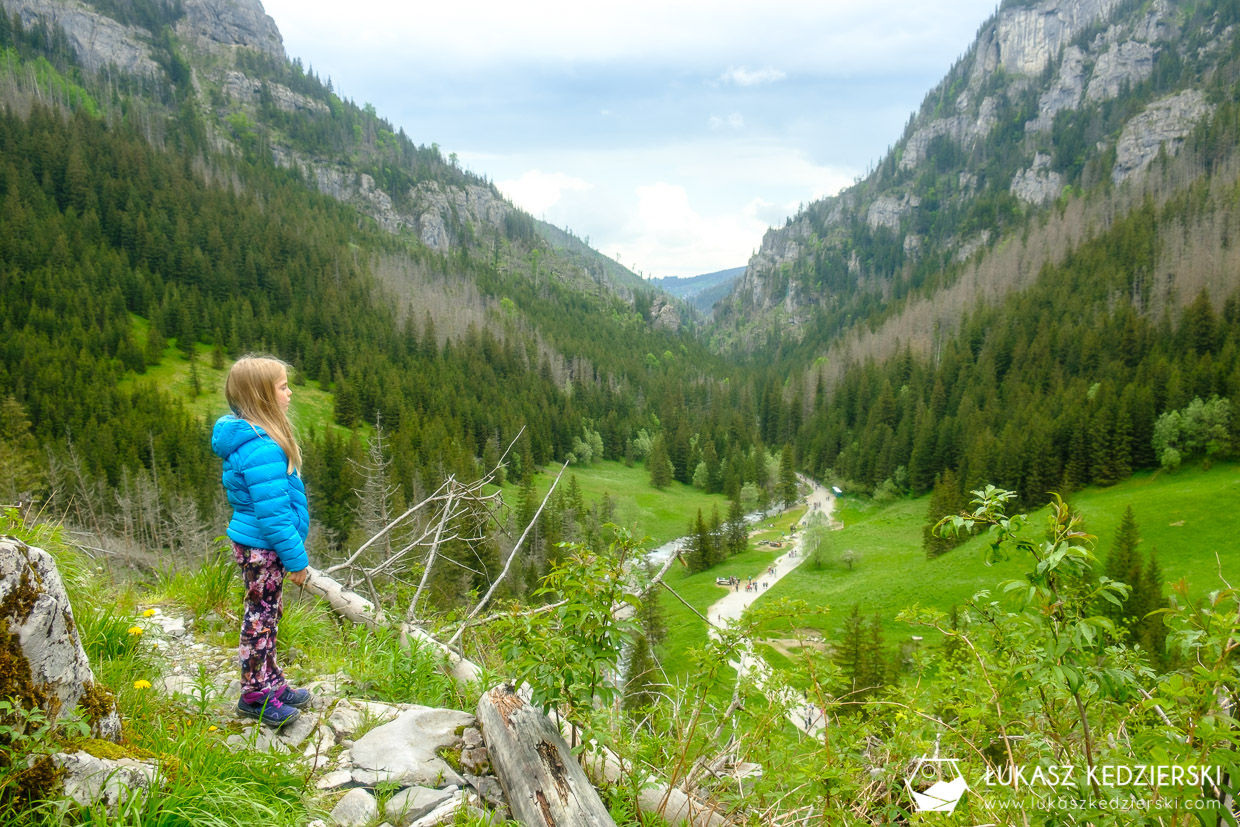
{"x": 670, "y": 133}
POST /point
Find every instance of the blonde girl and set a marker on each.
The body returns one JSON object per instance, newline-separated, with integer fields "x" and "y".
{"x": 262, "y": 478}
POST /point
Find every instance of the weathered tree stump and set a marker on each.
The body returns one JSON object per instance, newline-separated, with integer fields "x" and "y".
{"x": 545, "y": 785}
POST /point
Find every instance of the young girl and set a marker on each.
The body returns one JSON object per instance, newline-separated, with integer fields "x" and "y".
{"x": 262, "y": 464}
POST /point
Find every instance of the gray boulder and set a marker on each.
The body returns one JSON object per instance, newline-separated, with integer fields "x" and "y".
{"x": 405, "y": 751}
{"x": 42, "y": 662}
{"x": 90, "y": 781}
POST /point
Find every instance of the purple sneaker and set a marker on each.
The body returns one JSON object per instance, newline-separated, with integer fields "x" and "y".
{"x": 270, "y": 711}
{"x": 294, "y": 697}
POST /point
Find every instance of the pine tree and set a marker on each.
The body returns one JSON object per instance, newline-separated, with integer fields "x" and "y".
{"x": 659, "y": 465}
{"x": 850, "y": 653}
{"x": 945, "y": 500}
{"x": 737, "y": 532}
{"x": 640, "y": 682}
{"x": 1149, "y": 630}
{"x": 1123, "y": 563}
{"x": 788, "y": 476}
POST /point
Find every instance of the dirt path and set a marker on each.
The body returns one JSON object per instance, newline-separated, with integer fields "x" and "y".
{"x": 804, "y": 716}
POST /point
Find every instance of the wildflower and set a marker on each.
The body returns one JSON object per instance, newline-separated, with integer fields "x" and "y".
{"x": 135, "y": 630}
{"x": 212, "y": 728}
{"x": 141, "y": 684}
{"x": 149, "y": 613}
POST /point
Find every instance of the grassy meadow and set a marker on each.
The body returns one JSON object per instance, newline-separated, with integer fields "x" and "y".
{"x": 1187, "y": 516}
{"x": 647, "y": 512}
{"x": 311, "y": 408}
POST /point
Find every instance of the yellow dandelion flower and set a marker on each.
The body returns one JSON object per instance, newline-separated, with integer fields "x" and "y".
{"x": 135, "y": 630}
{"x": 149, "y": 613}
{"x": 212, "y": 728}
{"x": 141, "y": 684}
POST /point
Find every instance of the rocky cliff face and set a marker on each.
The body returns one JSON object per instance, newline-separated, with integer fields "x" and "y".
{"x": 218, "y": 28}
{"x": 100, "y": 41}
{"x": 222, "y": 23}
{"x": 1031, "y": 64}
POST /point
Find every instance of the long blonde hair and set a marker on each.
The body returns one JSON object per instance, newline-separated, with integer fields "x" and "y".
{"x": 251, "y": 393}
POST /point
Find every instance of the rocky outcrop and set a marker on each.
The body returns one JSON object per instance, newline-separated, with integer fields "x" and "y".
{"x": 1023, "y": 40}
{"x": 887, "y": 210}
{"x": 439, "y": 210}
{"x": 961, "y": 128}
{"x": 778, "y": 248}
{"x": 42, "y": 662}
{"x": 91, "y": 782}
{"x": 248, "y": 90}
{"x": 1065, "y": 91}
{"x": 1158, "y": 24}
{"x": 1123, "y": 64}
{"x": 98, "y": 41}
{"x": 1039, "y": 184}
{"x": 664, "y": 315}
{"x": 1166, "y": 122}
{"x": 215, "y": 23}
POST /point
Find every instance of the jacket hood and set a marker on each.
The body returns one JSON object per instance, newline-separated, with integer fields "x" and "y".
{"x": 230, "y": 433}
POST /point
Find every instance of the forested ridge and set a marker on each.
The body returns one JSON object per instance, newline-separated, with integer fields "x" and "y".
{"x": 127, "y": 229}
{"x": 116, "y": 246}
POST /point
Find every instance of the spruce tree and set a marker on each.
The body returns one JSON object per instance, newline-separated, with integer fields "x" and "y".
{"x": 658, "y": 464}
{"x": 737, "y": 532}
{"x": 787, "y": 476}
{"x": 945, "y": 500}
{"x": 1123, "y": 563}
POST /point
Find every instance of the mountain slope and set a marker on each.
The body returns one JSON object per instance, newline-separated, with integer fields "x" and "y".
{"x": 166, "y": 175}
{"x": 1061, "y": 105}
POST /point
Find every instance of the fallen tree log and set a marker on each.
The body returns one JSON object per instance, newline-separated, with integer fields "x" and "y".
{"x": 656, "y": 797}
{"x": 544, "y": 784}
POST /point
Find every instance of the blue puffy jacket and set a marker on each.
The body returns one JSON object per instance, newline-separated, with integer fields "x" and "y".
{"x": 269, "y": 503}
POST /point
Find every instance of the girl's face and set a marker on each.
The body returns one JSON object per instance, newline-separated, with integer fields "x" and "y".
{"x": 284, "y": 394}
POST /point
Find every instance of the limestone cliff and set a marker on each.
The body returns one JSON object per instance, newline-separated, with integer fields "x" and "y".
{"x": 1053, "y": 96}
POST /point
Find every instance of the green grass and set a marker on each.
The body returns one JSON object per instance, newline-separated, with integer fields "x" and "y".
{"x": 647, "y": 512}
{"x": 1178, "y": 514}
{"x": 685, "y": 630}
{"x": 312, "y": 407}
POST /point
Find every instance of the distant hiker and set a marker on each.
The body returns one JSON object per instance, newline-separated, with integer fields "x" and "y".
{"x": 262, "y": 478}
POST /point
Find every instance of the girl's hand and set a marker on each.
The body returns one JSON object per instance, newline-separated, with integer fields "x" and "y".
{"x": 298, "y": 577}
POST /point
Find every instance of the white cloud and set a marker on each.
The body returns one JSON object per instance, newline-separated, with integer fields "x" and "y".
{"x": 840, "y": 36}
{"x": 733, "y": 121}
{"x": 536, "y": 191}
{"x": 744, "y": 76}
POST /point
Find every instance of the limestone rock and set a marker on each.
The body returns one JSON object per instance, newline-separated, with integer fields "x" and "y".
{"x": 445, "y": 813}
{"x": 962, "y": 128}
{"x": 231, "y": 23}
{"x": 1158, "y": 24}
{"x": 405, "y": 750}
{"x": 98, "y": 41}
{"x": 334, "y": 779}
{"x": 1164, "y": 122}
{"x": 91, "y": 781}
{"x": 1022, "y": 40}
{"x": 246, "y": 89}
{"x": 46, "y": 663}
{"x": 1124, "y": 64}
{"x": 412, "y": 803}
{"x": 887, "y": 210}
{"x": 357, "y": 809}
{"x": 664, "y": 315}
{"x": 1039, "y": 184}
{"x": 1064, "y": 93}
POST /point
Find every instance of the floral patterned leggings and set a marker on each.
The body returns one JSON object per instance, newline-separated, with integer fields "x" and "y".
{"x": 263, "y": 573}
